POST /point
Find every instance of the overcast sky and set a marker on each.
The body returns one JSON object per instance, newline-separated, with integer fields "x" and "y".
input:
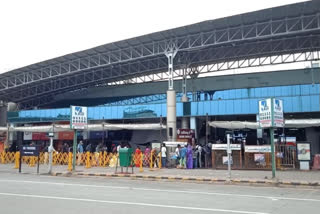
{"x": 37, "y": 30}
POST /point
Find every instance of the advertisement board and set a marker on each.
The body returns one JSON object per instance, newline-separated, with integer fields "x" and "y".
{"x": 260, "y": 159}
{"x": 303, "y": 151}
{"x": 278, "y": 120}
{"x": 78, "y": 117}
{"x": 265, "y": 119}
{"x": 270, "y": 113}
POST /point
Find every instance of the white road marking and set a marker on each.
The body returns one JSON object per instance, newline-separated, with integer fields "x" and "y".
{"x": 130, "y": 203}
{"x": 165, "y": 190}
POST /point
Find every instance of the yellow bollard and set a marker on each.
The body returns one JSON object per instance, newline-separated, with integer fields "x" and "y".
{"x": 70, "y": 161}
{"x": 3, "y": 157}
{"x": 88, "y": 162}
{"x": 100, "y": 162}
{"x": 141, "y": 162}
{"x": 17, "y": 160}
{"x": 151, "y": 160}
{"x": 104, "y": 159}
{"x": 32, "y": 161}
{"x": 159, "y": 156}
{"x": 54, "y": 158}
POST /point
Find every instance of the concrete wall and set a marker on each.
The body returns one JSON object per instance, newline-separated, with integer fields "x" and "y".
{"x": 313, "y": 135}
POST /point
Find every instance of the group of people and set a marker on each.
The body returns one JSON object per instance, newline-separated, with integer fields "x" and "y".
{"x": 188, "y": 157}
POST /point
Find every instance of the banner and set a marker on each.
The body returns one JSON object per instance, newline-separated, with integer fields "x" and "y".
{"x": 65, "y": 135}
{"x": 257, "y": 149}
{"x": 225, "y": 146}
{"x": 39, "y": 136}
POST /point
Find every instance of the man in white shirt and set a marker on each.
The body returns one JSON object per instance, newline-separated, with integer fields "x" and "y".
{"x": 177, "y": 154}
{"x": 163, "y": 155}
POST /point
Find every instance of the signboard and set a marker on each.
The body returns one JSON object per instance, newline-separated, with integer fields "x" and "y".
{"x": 174, "y": 144}
{"x": 260, "y": 159}
{"x": 265, "y": 119}
{"x": 65, "y": 135}
{"x": 29, "y": 151}
{"x": 225, "y": 160}
{"x": 291, "y": 141}
{"x": 225, "y": 146}
{"x": 271, "y": 113}
{"x": 79, "y": 117}
{"x": 304, "y": 151}
{"x": 39, "y": 136}
{"x": 278, "y": 120}
{"x": 185, "y": 133}
{"x": 258, "y": 149}
{"x": 27, "y": 136}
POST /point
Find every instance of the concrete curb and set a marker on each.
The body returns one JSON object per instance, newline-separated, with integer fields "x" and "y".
{"x": 195, "y": 179}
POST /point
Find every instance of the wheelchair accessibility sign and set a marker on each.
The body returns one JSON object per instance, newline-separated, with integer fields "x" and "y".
{"x": 79, "y": 117}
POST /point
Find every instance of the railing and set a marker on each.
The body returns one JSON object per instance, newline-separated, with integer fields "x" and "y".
{"x": 101, "y": 159}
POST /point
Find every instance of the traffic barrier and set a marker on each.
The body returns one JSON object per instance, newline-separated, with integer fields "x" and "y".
{"x": 2, "y": 157}
{"x": 141, "y": 162}
{"x": 32, "y": 162}
{"x": 17, "y": 160}
{"x": 88, "y": 161}
{"x": 70, "y": 161}
{"x": 102, "y": 159}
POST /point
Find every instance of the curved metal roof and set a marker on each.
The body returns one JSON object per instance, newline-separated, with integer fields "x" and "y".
{"x": 275, "y": 13}
{"x": 271, "y": 36}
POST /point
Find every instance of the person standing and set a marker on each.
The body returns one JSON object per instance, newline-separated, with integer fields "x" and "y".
{"x": 195, "y": 156}
{"x": 189, "y": 157}
{"x": 137, "y": 157}
{"x": 80, "y": 152}
{"x": 80, "y": 147}
{"x": 163, "y": 155}
{"x": 183, "y": 154}
{"x": 177, "y": 154}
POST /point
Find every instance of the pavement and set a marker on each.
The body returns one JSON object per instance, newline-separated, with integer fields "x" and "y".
{"x": 38, "y": 194}
{"x": 261, "y": 177}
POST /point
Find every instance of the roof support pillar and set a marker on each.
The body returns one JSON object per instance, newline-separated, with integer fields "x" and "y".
{"x": 171, "y": 98}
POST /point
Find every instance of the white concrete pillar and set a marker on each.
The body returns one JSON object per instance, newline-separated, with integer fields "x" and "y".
{"x": 171, "y": 116}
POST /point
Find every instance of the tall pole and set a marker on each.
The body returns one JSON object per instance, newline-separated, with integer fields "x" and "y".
{"x": 229, "y": 155}
{"x": 273, "y": 158}
{"x": 74, "y": 150}
{"x": 160, "y": 128}
{"x": 272, "y": 153}
{"x": 207, "y": 131}
{"x": 50, "y": 150}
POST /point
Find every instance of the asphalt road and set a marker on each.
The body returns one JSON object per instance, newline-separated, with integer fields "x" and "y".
{"x": 45, "y": 194}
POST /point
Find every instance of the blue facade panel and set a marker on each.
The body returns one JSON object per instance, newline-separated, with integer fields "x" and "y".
{"x": 297, "y": 98}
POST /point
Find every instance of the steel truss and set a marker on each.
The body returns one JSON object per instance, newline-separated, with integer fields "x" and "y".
{"x": 262, "y": 43}
{"x": 141, "y": 75}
